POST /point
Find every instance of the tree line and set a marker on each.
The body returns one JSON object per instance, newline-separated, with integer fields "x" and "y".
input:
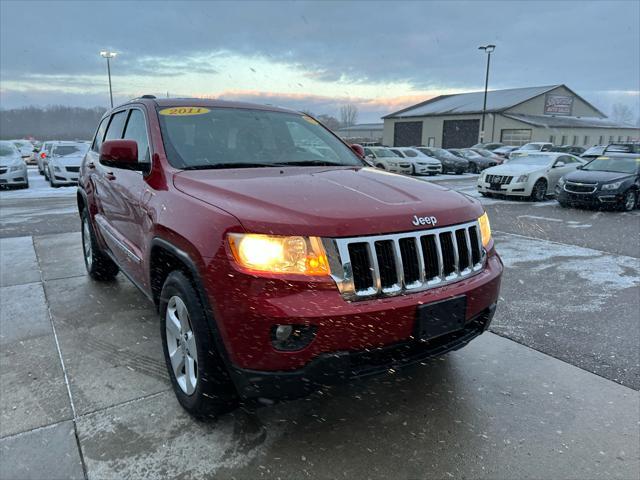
{"x": 54, "y": 122}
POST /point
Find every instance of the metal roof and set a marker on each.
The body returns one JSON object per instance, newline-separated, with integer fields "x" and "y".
{"x": 497, "y": 101}
{"x": 548, "y": 121}
{"x": 363, "y": 126}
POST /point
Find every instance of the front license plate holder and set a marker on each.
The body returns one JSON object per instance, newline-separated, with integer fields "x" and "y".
{"x": 496, "y": 186}
{"x": 439, "y": 318}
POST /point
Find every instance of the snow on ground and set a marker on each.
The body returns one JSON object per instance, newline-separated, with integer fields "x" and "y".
{"x": 38, "y": 188}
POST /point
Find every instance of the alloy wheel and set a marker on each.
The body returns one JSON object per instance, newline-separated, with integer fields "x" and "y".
{"x": 629, "y": 200}
{"x": 181, "y": 344}
{"x": 86, "y": 244}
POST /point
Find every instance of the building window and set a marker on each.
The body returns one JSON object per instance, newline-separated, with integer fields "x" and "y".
{"x": 431, "y": 142}
{"x": 552, "y": 139}
{"x": 515, "y": 137}
{"x": 629, "y": 138}
{"x": 586, "y": 140}
{"x": 620, "y": 138}
{"x": 601, "y": 140}
{"x": 575, "y": 140}
{"x": 564, "y": 140}
{"x": 611, "y": 137}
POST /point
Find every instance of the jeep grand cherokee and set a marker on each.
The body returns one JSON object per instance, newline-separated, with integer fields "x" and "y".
{"x": 279, "y": 261}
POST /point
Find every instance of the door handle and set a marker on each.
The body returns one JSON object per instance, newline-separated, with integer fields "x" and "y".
{"x": 109, "y": 176}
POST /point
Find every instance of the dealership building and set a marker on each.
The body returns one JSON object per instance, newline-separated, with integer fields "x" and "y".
{"x": 515, "y": 116}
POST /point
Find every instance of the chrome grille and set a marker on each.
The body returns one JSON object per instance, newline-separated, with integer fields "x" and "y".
{"x": 498, "y": 179}
{"x": 574, "y": 187}
{"x": 383, "y": 265}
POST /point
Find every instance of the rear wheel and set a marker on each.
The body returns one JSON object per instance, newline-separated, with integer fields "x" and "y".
{"x": 198, "y": 375}
{"x": 473, "y": 168}
{"x": 539, "y": 192}
{"x": 99, "y": 266}
{"x": 629, "y": 200}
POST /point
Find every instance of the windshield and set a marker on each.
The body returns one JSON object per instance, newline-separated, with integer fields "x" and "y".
{"x": 383, "y": 152}
{"x": 442, "y": 153}
{"x": 531, "y": 146}
{"x": 7, "y": 151}
{"x": 540, "y": 160}
{"x": 598, "y": 150}
{"x": 236, "y": 138}
{"x": 68, "y": 150}
{"x": 614, "y": 164}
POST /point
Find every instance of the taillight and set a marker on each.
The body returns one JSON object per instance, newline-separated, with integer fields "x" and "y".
{"x": 43, "y": 155}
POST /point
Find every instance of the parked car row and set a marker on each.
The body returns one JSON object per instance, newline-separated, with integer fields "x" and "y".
{"x": 609, "y": 180}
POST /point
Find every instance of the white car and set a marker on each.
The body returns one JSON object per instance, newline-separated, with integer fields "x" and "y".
{"x": 385, "y": 159}
{"x": 532, "y": 175}
{"x": 43, "y": 154}
{"x": 422, "y": 164}
{"x": 13, "y": 170}
{"x": 531, "y": 148}
{"x": 25, "y": 147}
{"x": 63, "y": 164}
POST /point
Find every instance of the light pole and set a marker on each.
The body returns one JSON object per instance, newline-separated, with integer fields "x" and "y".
{"x": 488, "y": 49}
{"x": 109, "y": 55}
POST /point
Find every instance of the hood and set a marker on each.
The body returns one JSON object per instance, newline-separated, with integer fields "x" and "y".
{"x": 333, "y": 202}
{"x": 592, "y": 176}
{"x": 427, "y": 159}
{"x": 67, "y": 161}
{"x": 10, "y": 161}
{"x": 513, "y": 169}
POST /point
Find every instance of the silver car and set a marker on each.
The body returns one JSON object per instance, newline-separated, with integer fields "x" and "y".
{"x": 63, "y": 164}
{"x": 13, "y": 170}
{"x": 422, "y": 163}
{"x": 42, "y": 155}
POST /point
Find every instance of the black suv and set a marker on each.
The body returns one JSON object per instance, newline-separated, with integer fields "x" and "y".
{"x": 610, "y": 180}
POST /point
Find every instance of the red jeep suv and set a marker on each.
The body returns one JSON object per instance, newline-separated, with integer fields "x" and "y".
{"x": 278, "y": 259}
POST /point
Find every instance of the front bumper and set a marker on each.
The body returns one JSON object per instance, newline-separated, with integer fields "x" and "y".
{"x": 65, "y": 176}
{"x": 17, "y": 178}
{"x": 405, "y": 168}
{"x": 594, "y": 199}
{"x": 522, "y": 189}
{"x": 427, "y": 169}
{"x": 341, "y": 367}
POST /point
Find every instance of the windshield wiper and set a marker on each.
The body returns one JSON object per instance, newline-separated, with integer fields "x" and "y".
{"x": 313, "y": 163}
{"x": 214, "y": 166}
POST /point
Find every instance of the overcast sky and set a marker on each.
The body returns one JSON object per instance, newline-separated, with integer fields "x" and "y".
{"x": 315, "y": 56}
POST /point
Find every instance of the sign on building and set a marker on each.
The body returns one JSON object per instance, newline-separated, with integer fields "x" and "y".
{"x": 558, "y": 104}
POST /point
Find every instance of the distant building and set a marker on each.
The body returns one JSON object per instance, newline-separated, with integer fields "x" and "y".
{"x": 364, "y": 132}
{"x": 516, "y": 116}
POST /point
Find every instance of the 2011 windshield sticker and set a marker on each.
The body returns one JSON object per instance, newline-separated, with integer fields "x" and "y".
{"x": 183, "y": 111}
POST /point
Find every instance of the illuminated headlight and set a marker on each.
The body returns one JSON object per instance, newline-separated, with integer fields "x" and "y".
{"x": 279, "y": 254}
{"x": 522, "y": 178}
{"x": 611, "y": 186}
{"x": 485, "y": 229}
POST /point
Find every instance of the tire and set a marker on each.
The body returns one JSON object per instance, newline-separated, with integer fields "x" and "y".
{"x": 380, "y": 166}
{"x": 563, "y": 204}
{"x": 46, "y": 175}
{"x": 629, "y": 201}
{"x": 539, "y": 191}
{"x": 200, "y": 379}
{"x": 473, "y": 168}
{"x": 99, "y": 266}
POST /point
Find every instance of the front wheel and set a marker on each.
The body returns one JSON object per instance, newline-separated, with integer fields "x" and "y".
{"x": 539, "y": 192}
{"x": 629, "y": 200}
{"x": 99, "y": 266}
{"x": 380, "y": 166}
{"x": 473, "y": 168}
{"x": 198, "y": 375}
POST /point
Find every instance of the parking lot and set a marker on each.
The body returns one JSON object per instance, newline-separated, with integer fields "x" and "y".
{"x": 550, "y": 392}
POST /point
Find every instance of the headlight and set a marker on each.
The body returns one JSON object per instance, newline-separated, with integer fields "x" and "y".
{"x": 56, "y": 168}
{"x": 17, "y": 168}
{"x": 611, "y": 186}
{"x": 485, "y": 229}
{"x": 277, "y": 254}
{"x": 522, "y": 178}
{"x": 561, "y": 181}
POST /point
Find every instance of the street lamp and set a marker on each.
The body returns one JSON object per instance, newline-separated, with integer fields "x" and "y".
{"x": 488, "y": 49}
{"x": 109, "y": 55}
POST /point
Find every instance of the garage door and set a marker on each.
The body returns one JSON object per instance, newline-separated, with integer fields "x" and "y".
{"x": 407, "y": 134}
{"x": 460, "y": 133}
{"x": 517, "y": 137}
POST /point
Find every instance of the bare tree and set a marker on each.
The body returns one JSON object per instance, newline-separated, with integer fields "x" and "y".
{"x": 621, "y": 113}
{"x": 348, "y": 115}
{"x": 332, "y": 123}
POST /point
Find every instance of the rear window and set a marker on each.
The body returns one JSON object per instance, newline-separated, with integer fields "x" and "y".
{"x": 66, "y": 150}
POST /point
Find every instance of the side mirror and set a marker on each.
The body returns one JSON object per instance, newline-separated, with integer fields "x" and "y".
{"x": 121, "y": 154}
{"x": 358, "y": 150}
{"x": 559, "y": 164}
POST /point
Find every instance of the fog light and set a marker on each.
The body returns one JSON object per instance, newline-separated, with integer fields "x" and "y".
{"x": 292, "y": 337}
{"x": 283, "y": 332}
